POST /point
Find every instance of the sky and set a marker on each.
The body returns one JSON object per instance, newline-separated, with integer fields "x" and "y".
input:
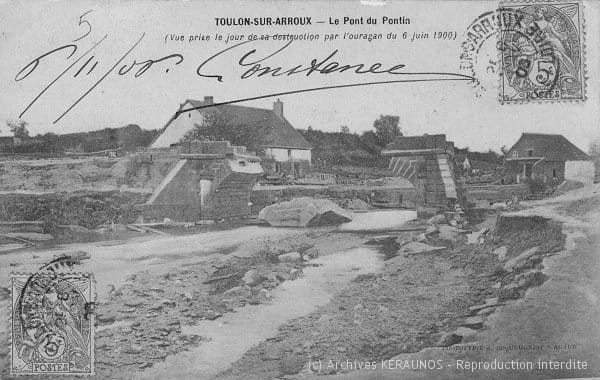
{"x": 469, "y": 115}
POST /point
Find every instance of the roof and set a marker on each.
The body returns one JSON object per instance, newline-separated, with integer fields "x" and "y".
{"x": 418, "y": 142}
{"x": 279, "y": 132}
{"x": 550, "y": 147}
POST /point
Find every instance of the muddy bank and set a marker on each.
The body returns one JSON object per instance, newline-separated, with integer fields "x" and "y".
{"x": 422, "y": 300}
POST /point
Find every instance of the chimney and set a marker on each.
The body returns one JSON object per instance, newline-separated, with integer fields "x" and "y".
{"x": 208, "y": 100}
{"x": 278, "y": 108}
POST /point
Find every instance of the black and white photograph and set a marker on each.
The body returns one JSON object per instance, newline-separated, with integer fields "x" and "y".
{"x": 264, "y": 189}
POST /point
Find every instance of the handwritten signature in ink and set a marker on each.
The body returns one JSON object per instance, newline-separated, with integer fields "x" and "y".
{"x": 252, "y": 66}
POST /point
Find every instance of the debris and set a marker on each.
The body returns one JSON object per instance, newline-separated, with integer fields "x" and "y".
{"x": 212, "y": 315}
{"x": 157, "y": 231}
{"x": 520, "y": 260}
{"x": 486, "y": 310}
{"x": 33, "y": 236}
{"x": 449, "y": 232}
{"x": 74, "y": 257}
{"x": 357, "y": 205}
{"x": 437, "y": 219}
{"x": 492, "y": 301}
{"x": 498, "y": 206}
{"x": 311, "y": 253}
{"x": 135, "y": 228}
{"x": 501, "y": 253}
{"x": 474, "y": 322}
{"x": 476, "y": 308}
{"x": 419, "y": 237}
{"x": 290, "y": 257}
{"x": 252, "y": 278}
{"x": 417, "y": 247}
{"x": 449, "y": 339}
{"x": 465, "y": 332}
{"x": 19, "y": 239}
{"x": 305, "y": 212}
{"x": 211, "y": 280}
{"x": 204, "y": 222}
{"x": 431, "y": 230}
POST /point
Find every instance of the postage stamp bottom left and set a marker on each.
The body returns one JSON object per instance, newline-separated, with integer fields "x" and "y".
{"x": 52, "y": 324}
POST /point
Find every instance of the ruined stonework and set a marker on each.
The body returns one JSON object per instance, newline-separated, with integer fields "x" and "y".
{"x": 212, "y": 180}
{"x": 427, "y": 162}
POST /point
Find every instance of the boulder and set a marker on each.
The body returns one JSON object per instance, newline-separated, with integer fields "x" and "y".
{"x": 465, "y": 333}
{"x": 252, "y": 278}
{"x": 419, "y": 237}
{"x": 501, "y": 253}
{"x": 304, "y": 212}
{"x": 290, "y": 257}
{"x": 449, "y": 339}
{"x": 437, "y": 219}
{"x": 431, "y": 230}
{"x": 311, "y": 253}
{"x": 493, "y": 301}
{"x": 358, "y": 205}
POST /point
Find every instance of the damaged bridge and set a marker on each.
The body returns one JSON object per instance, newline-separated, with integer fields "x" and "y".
{"x": 211, "y": 180}
{"x": 428, "y": 163}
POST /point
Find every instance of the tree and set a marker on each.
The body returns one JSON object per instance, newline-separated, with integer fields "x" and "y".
{"x": 18, "y": 128}
{"x": 387, "y": 128}
{"x": 344, "y": 129}
{"x": 371, "y": 142}
{"x": 216, "y": 127}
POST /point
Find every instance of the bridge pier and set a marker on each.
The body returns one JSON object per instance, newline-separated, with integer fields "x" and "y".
{"x": 428, "y": 163}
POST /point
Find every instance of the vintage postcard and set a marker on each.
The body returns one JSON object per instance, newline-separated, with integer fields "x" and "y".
{"x": 358, "y": 189}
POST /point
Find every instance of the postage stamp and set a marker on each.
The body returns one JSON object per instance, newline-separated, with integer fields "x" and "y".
{"x": 52, "y": 323}
{"x": 541, "y": 48}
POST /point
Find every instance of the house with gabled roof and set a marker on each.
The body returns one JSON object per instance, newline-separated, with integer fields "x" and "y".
{"x": 285, "y": 149}
{"x": 547, "y": 158}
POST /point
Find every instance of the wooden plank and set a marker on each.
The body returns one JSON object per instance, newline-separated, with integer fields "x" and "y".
{"x": 18, "y": 239}
{"x": 134, "y": 228}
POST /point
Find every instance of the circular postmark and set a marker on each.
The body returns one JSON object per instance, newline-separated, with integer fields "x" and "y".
{"x": 540, "y": 52}
{"x": 479, "y": 56}
{"x": 531, "y": 51}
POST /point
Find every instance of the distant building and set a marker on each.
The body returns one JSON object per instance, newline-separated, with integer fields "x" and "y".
{"x": 548, "y": 158}
{"x": 286, "y": 150}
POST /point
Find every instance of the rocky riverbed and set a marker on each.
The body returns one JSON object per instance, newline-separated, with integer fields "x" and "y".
{"x": 420, "y": 285}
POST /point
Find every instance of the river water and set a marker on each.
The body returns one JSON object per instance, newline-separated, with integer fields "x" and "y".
{"x": 235, "y": 333}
